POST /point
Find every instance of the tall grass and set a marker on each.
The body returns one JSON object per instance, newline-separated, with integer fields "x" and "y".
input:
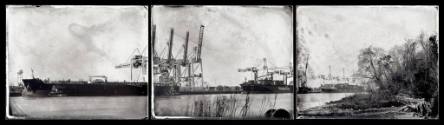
{"x": 230, "y": 106}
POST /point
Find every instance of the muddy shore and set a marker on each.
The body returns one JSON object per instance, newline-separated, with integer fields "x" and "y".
{"x": 334, "y": 111}
{"x": 331, "y": 112}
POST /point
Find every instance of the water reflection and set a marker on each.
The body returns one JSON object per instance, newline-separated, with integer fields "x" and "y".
{"x": 306, "y": 101}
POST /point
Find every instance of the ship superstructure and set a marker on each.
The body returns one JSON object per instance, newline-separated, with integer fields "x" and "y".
{"x": 267, "y": 83}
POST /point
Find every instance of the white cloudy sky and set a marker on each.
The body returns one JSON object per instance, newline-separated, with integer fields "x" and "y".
{"x": 335, "y": 34}
{"x": 73, "y": 42}
{"x": 235, "y": 37}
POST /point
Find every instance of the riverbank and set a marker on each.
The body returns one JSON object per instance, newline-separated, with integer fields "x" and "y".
{"x": 361, "y": 106}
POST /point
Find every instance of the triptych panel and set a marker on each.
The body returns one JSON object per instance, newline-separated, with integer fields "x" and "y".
{"x": 222, "y": 62}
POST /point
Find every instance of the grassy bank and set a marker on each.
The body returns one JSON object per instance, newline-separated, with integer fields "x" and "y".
{"x": 367, "y": 106}
{"x": 367, "y": 101}
{"x": 227, "y": 106}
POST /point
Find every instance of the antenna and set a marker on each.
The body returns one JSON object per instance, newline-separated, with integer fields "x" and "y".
{"x": 32, "y": 72}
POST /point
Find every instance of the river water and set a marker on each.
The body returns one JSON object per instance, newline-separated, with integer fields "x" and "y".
{"x": 306, "y": 101}
{"x": 91, "y": 107}
{"x": 231, "y": 106}
{"x": 135, "y": 107}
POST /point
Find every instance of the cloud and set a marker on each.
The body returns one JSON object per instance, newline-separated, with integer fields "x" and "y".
{"x": 73, "y": 42}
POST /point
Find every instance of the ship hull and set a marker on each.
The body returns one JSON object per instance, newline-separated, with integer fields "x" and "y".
{"x": 341, "y": 88}
{"x": 165, "y": 90}
{"x": 330, "y": 91}
{"x": 37, "y": 87}
{"x": 101, "y": 89}
{"x": 267, "y": 88}
{"x": 339, "y": 91}
{"x": 304, "y": 90}
{"x": 15, "y": 91}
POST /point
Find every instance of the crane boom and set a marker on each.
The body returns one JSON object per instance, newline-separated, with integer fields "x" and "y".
{"x": 170, "y": 47}
{"x": 154, "y": 40}
{"x": 251, "y": 69}
{"x": 185, "y": 49}
{"x": 199, "y": 48}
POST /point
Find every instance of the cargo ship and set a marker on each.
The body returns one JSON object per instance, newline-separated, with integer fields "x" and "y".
{"x": 15, "y": 91}
{"x": 266, "y": 83}
{"x": 163, "y": 83}
{"x": 97, "y": 87}
{"x": 266, "y": 86}
{"x": 304, "y": 90}
{"x": 162, "y": 89}
{"x": 187, "y": 90}
{"x": 341, "y": 88}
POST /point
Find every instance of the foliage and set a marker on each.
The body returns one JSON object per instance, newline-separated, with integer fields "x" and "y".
{"x": 411, "y": 69}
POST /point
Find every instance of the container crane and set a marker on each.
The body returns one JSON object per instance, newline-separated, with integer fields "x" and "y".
{"x": 251, "y": 69}
{"x": 136, "y": 61}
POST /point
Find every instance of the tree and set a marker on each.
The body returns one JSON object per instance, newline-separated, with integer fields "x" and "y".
{"x": 369, "y": 64}
{"x": 425, "y": 79}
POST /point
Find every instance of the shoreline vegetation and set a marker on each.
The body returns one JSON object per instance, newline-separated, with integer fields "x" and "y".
{"x": 402, "y": 83}
{"x": 229, "y": 107}
{"x": 232, "y": 107}
{"x": 360, "y": 106}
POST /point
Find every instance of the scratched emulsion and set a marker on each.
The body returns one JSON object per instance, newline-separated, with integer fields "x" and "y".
{"x": 73, "y": 43}
{"x": 234, "y": 37}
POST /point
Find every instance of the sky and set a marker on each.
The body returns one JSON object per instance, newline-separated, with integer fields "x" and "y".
{"x": 234, "y": 37}
{"x": 334, "y": 35}
{"x": 73, "y": 42}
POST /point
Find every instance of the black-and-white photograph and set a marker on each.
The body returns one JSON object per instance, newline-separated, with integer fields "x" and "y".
{"x": 367, "y": 62}
{"x": 77, "y": 62}
{"x": 223, "y": 62}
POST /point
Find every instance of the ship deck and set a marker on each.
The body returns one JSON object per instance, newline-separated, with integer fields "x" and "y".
{"x": 95, "y": 83}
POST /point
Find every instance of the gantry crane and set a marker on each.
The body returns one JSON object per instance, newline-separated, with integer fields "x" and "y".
{"x": 172, "y": 68}
{"x": 269, "y": 71}
{"x": 136, "y": 61}
{"x": 251, "y": 69}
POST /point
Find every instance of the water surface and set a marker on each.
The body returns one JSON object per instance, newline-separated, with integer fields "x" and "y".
{"x": 306, "y": 101}
{"x": 84, "y": 107}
